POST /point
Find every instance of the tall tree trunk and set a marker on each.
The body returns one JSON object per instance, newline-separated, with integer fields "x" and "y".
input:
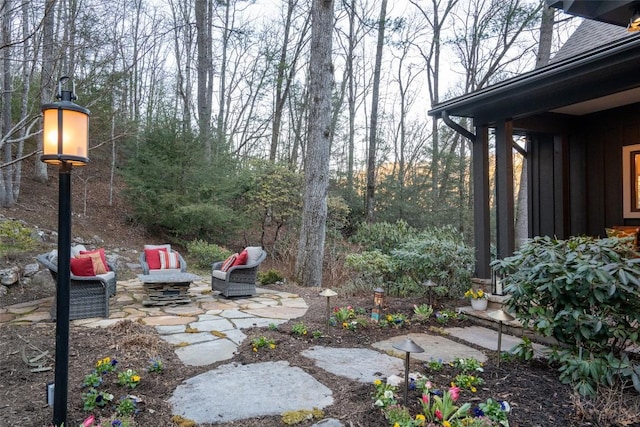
{"x": 373, "y": 132}
{"x": 352, "y": 96}
{"x": 6, "y": 180}
{"x": 314, "y": 213}
{"x": 221, "y": 132}
{"x": 522, "y": 206}
{"x": 280, "y": 99}
{"x": 204, "y": 67}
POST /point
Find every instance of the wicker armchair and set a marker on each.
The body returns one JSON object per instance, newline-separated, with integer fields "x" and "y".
{"x": 239, "y": 280}
{"x": 89, "y": 295}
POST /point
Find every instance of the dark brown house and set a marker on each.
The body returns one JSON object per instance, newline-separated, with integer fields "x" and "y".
{"x": 581, "y": 116}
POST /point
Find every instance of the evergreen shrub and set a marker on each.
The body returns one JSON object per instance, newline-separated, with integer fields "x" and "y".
{"x": 204, "y": 254}
{"x": 584, "y": 292}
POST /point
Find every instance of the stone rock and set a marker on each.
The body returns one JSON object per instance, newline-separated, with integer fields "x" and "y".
{"x": 3, "y": 291}
{"x": 31, "y": 269}
{"x": 10, "y": 276}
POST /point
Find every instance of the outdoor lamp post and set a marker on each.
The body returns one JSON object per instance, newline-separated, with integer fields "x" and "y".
{"x": 500, "y": 316}
{"x": 328, "y": 293}
{"x": 65, "y": 141}
{"x": 408, "y": 346}
{"x": 378, "y": 302}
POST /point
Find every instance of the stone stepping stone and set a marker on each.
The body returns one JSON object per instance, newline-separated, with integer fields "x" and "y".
{"x": 235, "y": 392}
{"x": 435, "y": 347}
{"x": 488, "y": 338}
{"x": 206, "y": 353}
{"x": 358, "y": 364}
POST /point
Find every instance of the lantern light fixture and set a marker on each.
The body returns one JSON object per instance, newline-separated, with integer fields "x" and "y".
{"x": 378, "y": 302}
{"x": 65, "y": 135}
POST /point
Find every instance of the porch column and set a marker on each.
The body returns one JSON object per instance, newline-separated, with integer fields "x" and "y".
{"x": 505, "y": 230}
{"x": 481, "y": 229}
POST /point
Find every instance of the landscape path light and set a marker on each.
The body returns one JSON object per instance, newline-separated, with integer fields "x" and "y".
{"x": 65, "y": 142}
{"x": 500, "y": 316}
{"x": 378, "y": 302}
{"x": 328, "y": 293}
{"x": 408, "y": 346}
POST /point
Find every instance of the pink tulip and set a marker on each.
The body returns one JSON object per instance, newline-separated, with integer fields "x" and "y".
{"x": 425, "y": 399}
{"x": 89, "y": 421}
{"x": 454, "y": 392}
{"x": 438, "y": 414}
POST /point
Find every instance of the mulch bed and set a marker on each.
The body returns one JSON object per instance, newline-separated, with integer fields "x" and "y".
{"x": 536, "y": 396}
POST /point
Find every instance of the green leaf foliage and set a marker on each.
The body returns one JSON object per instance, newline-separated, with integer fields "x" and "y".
{"x": 439, "y": 255}
{"x": 585, "y": 293}
{"x": 383, "y": 236}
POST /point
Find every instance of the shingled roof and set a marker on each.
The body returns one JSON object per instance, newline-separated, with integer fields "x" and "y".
{"x": 588, "y": 36}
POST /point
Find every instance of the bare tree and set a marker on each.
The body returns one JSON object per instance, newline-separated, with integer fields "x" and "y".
{"x": 204, "y": 66}
{"x": 314, "y": 213}
{"x": 371, "y": 157}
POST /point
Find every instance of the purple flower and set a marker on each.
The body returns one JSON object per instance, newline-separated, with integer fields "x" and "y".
{"x": 477, "y": 412}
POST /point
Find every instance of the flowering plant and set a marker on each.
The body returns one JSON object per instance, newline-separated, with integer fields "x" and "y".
{"x": 342, "y": 314}
{"x": 473, "y": 294}
{"x": 128, "y": 378}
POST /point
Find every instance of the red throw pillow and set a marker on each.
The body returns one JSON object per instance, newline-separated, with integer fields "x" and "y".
{"x": 241, "y": 258}
{"x": 226, "y": 265}
{"x": 82, "y": 266}
{"x": 153, "y": 258}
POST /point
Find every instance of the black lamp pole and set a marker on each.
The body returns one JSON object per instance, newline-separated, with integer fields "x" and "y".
{"x": 62, "y": 299}
{"x": 65, "y": 144}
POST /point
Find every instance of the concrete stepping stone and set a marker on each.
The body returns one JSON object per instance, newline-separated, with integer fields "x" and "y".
{"x": 235, "y": 392}
{"x": 358, "y": 364}
{"x": 435, "y": 347}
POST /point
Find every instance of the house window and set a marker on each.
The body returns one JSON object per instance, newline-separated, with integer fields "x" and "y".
{"x": 631, "y": 180}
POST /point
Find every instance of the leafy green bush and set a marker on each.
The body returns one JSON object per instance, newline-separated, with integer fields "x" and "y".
{"x": 204, "y": 254}
{"x": 584, "y": 292}
{"x": 374, "y": 266}
{"x": 383, "y": 236}
{"x": 15, "y": 237}
{"x": 270, "y": 277}
{"x": 439, "y": 255}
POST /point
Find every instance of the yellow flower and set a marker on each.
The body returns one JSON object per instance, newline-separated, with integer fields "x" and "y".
{"x": 135, "y": 378}
{"x": 272, "y": 346}
{"x": 255, "y": 349}
{"x": 389, "y": 318}
{"x": 396, "y": 425}
{"x": 446, "y": 424}
{"x": 421, "y": 418}
{"x": 377, "y": 382}
{"x": 345, "y": 325}
{"x": 473, "y": 389}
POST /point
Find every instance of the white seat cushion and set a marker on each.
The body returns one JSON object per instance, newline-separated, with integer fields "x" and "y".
{"x": 107, "y": 276}
{"x": 219, "y": 274}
